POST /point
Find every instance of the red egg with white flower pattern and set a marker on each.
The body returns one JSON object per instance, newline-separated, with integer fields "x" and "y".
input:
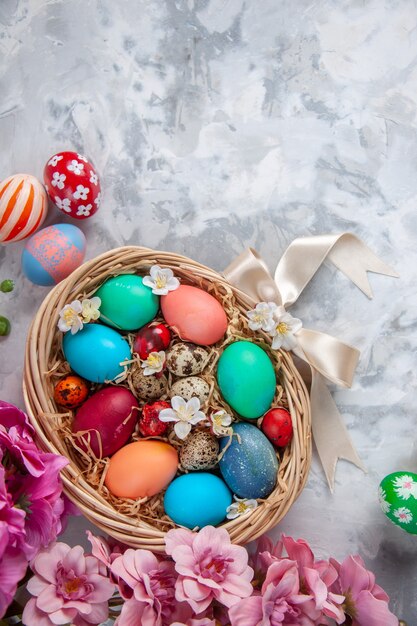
{"x": 73, "y": 184}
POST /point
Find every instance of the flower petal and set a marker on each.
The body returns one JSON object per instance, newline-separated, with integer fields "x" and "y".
{"x": 168, "y": 415}
{"x": 182, "y": 429}
{"x": 178, "y": 403}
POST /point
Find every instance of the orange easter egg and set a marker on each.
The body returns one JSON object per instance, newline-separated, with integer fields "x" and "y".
{"x": 71, "y": 391}
{"x": 23, "y": 207}
{"x": 141, "y": 469}
{"x": 194, "y": 315}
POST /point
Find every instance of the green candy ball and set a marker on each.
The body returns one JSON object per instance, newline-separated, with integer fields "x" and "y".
{"x": 4, "y": 326}
{"x": 6, "y": 285}
{"x": 398, "y": 500}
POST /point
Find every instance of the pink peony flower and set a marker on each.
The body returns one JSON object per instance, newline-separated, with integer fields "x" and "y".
{"x": 365, "y": 602}
{"x": 12, "y": 569}
{"x": 209, "y": 567}
{"x": 69, "y": 587}
{"x": 105, "y": 550}
{"x": 205, "y": 621}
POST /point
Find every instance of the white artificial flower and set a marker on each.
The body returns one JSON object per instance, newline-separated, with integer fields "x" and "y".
{"x": 154, "y": 363}
{"x": 405, "y": 486}
{"x": 385, "y": 505}
{"x": 184, "y": 413}
{"x": 76, "y": 167}
{"x": 98, "y": 199}
{"x": 403, "y": 515}
{"x": 64, "y": 204}
{"x": 84, "y": 209}
{"x": 284, "y": 329}
{"x": 94, "y": 179}
{"x": 54, "y": 160}
{"x": 58, "y": 180}
{"x": 261, "y": 317}
{"x": 240, "y": 506}
{"x": 81, "y": 192}
{"x": 220, "y": 421}
{"x": 90, "y": 309}
{"x": 70, "y": 317}
{"x": 82, "y": 158}
{"x": 161, "y": 280}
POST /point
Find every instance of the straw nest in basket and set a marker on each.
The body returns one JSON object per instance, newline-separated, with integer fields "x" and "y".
{"x": 143, "y": 523}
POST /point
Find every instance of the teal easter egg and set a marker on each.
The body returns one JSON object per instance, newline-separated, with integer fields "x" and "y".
{"x": 398, "y": 500}
{"x": 250, "y": 465}
{"x": 95, "y": 352}
{"x": 127, "y": 303}
{"x": 246, "y": 378}
{"x": 197, "y": 500}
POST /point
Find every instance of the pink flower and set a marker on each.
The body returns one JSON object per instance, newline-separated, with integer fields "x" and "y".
{"x": 16, "y": 438}
{"x": 205, "y": 621}
{"x": 365, "y": 602}
{"x": 69, "y": 587}
{"x": 209, "y": 566}
{"x": 12, "y": 569}
{"x": 105, "y": 550}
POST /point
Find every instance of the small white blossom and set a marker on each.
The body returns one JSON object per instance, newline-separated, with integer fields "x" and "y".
{"x": 70, "y": 318}
{"x": 184, "y": 413}
{"x": 64, "y": 204}
{"x": 98, "y": 199}
{"x": 240, "y": 506}
{"x": 55, "y": 159}
{"x": 58, "y": 180}
{"x": 284, "y": 330}
{"x": 405, "y": 486}
{"x": 261, "y": 317}
{"x": 81, "y": 192}
{"x": 220, "y": 422}
{"x": 154, "y": 363}
{"x": 161, "y": 280}
{"x": 90, "y": 309}
{"x": 385, "y": 505}
{"x": 403, "y": 515}
{"x": 75, "y": 167}
{"x": 82, "y": 158}
{"x": 94, "y": 179}
{"x": 84, "y": 209}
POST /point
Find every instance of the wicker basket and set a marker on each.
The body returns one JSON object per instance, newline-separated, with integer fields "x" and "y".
{"x": 41, "y": 360}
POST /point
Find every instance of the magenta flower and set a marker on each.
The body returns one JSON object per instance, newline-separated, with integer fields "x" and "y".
{"x": 16, "y": 438}
{"x": 69, "y": 587}
{"x": 12, "y": 569}
{"x": 365, "y": 602}
{"x": 209, "y": 567}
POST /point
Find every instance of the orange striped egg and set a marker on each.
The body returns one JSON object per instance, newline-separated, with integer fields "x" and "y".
{"x": 23, "y": 207}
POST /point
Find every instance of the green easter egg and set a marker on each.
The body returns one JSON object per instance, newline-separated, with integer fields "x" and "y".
{"x": 398, "y": 500}
{"x": 246, "y": 378}
{"x": 126, "y": 303}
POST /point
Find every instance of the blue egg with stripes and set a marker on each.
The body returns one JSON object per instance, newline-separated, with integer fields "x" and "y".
{"x": 52, "y": 253}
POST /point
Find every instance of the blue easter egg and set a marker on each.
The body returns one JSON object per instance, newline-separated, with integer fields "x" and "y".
{"x": 52, "y": 253}
{"x": 197, "y": 500}
{"x": 249, "y": 467}
{"x": 95, "y": 352}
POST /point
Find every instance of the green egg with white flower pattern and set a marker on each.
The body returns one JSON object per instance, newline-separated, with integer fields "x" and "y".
{"x": 398, "y": 500}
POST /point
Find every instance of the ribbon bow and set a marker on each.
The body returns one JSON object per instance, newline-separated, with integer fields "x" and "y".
{"x": 327, "y": 356}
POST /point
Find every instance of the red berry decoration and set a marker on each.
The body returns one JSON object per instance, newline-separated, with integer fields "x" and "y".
{"x": 277, "y": 427}
{"x": 149, "y": 423}
{"x": 151, "y": 338}
{"x": 72, "y": 184}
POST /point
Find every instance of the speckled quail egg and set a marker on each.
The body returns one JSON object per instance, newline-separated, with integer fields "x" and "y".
{"x": 148, "y": 387}
{"x": 186, "y": 359}
{"x": 191, "y": 387}
{"x": 199, "y": 451}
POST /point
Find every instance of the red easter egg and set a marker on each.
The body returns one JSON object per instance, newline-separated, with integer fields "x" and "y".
{"x": 23, "y": 207}
{"x": 73, "y": 184}
{"x": 149, "y": 423}
{"x": 151, "y": 338}
{"x": 107, "y": 418}
{"x": 277, "y": 427}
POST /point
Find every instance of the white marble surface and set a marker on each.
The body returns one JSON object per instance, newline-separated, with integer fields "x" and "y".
{"x": 219, "y": 124}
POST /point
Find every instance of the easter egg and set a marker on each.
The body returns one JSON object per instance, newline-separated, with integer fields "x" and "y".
{"x": 96, "y": 352}
{"x": 147, "y": 387}
{"x": 149, "y": 423}
{"x": 72, "y": 184}
{"x": 249, "y": 466}
{"x": 23, "y": 207}
{"x": 199, "y": 451}
{"x": 398, "y": 499}
{"x": 246, "y": 379}
{"x": 106, "y": 420}
{"x": 197, "y": 500}
{"x": 52, "y": 253}
{"x": 71, "y": 391}
{"x": 191, "y": 387}
{"x": 194, "y": 315}
{"x": 277, "y": 426}
{"x": 153, "y": 337}
{"x": 127, "y": 303}
{"x": 186, "y": 359}
{"x": 141, "y": 469}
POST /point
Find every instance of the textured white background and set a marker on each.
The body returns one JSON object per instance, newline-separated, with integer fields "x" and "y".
{"x": 219, "y": 124}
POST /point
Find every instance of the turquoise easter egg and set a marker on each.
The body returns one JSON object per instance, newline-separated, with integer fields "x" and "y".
{"x": 250, "y": 465}
{"x": 197, "y": 500}
{"x": 246, "y": 378}
{"x": 127, "y": 303}
{"x": 95, "y": 352}
{"x": 398, "y": 500}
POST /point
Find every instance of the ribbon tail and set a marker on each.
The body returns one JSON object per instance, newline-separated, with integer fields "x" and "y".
{"x": 330, "y": 434}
